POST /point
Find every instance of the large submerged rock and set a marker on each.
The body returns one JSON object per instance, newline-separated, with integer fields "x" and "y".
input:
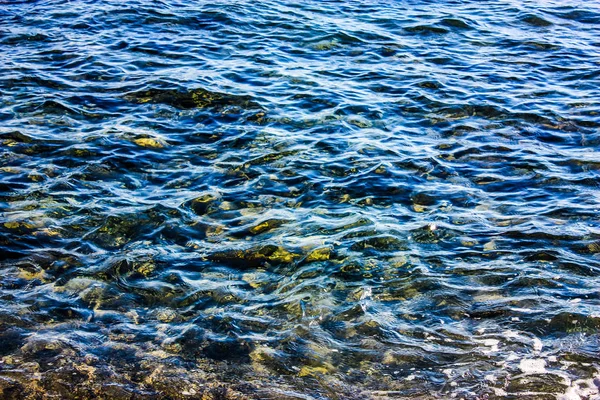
{"x": 192, "y": 98}
{"x": 254, "y": 257}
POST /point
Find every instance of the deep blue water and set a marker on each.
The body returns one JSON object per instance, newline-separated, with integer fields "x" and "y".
{"x": 300, "y": 200}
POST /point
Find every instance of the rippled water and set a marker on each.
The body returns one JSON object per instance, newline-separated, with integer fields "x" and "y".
{"x": 323, "y": 199}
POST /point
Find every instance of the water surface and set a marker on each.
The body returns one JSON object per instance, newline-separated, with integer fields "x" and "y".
{"x": 301, "y": 200}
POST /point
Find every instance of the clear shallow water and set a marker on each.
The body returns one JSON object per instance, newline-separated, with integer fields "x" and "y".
{"x": 319, "y": 200}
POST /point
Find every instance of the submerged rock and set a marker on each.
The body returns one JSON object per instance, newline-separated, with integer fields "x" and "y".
{"x": 254, "y": 256}
{"x": 166, "y": 315}
{"x": 380, "y": 243}
{"x": 268, "y": 225}
{"x": 313, "y": 371}
{"x": 193, "y": 98}
{"x": 150, "y": 142}
{"x": 320, "y": 254}
{"x": 203, "y": 203}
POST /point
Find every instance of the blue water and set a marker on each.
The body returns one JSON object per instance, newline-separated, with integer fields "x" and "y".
{"x": 300, "y": 200}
